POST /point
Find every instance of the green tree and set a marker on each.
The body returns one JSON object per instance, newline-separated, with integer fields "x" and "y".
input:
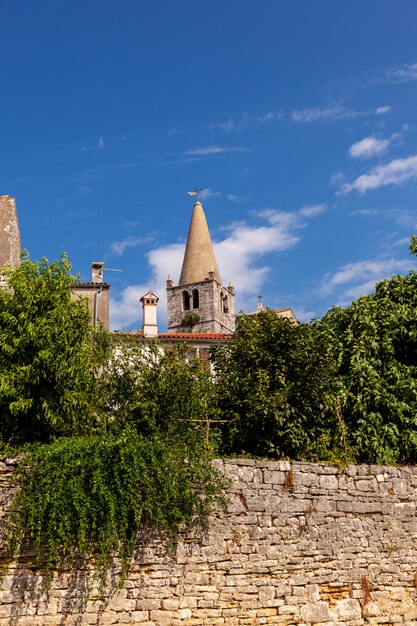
{"x": 375, "y": 344}
{"x": 274, "y": 382}
{"x": 49, "y": 354}
{"x": 157, "y": 392}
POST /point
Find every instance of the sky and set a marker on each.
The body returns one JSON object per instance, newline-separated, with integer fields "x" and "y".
{"x": 297, "y": 118}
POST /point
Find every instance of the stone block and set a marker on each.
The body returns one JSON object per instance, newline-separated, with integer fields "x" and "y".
{"x": 317, "y": 612}
{"x": 329, "y": 482}
{"x": 170, "y": 604}
{"x": 347, "y": 609}
{"x": 266, "y": 593}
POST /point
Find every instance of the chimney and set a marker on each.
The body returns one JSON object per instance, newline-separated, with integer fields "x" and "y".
{"x": 97, "y": 271}
{"x": 149, "y": 306}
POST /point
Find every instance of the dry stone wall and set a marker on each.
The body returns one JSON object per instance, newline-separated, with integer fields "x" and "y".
{"x": 302, "y": 544}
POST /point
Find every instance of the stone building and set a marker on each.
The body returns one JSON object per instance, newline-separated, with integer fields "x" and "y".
{"x": 200, "y": 303}
{"x": 97, "y": 293}
{"x": 10, "y": 249}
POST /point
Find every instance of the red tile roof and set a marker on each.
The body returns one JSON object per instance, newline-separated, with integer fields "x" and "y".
{"x": 199, "y": 336}
{"x": 183, "y": 336}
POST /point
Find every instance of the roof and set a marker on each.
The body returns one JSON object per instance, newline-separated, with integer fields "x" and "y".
{"x": 199, "y": 259}
{"x": 285, "y": 311}
{"x": 91, "y": 285}
{"x": 193, "y": 337}
{"x": 196, "y": 336}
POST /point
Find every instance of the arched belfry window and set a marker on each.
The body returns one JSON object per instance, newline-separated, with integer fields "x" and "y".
{"x": 221, "y": 301}
{"x": 226, "y": 304}
{"x": 196, "y": 299}
{"x": 185, "y": 300}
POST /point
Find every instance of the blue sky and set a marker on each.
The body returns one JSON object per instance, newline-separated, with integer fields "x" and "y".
{"x": 298, "y": 118}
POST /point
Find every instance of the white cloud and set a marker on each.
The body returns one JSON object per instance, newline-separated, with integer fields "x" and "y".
{"x": 311, "y": 210}
{"x": 356, "y": 279}
{"x": 402, "y": 74}
{"x": 404, "y": 217}
{"x": 208, "y": 150}
{"x": 239, "y": 252}
{"x": 269, "y": 117}
{"x": 208, "y": 193}
{"x": 236, "y": 198}
{"x": 99, "y": 144}
{"x": 395, "y": 172}
{"x": 324, "y": 114}
{"x": 227, "y": 126}
{"x": 383, "y": 110}
{"x": 369, "y": 147}
{"x": 366, "y": 212}
{"x": 118, "y": 247}
{"x": 233, "y": 123}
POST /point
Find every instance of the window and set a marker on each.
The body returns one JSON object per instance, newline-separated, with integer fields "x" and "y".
{"x": 196, "y": 299}
{"x": 224, "y": 303}
{"x": 185, "y": 300}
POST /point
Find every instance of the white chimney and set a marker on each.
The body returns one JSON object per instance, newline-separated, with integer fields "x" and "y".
{"x": 149, "y": 306}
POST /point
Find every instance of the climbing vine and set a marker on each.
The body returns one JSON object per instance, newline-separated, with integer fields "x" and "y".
{"x": 87, "y": 498}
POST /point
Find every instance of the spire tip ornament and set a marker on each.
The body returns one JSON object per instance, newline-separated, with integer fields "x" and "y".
{"x": 195, "y": 192}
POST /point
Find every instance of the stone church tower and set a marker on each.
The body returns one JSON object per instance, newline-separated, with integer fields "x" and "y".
{"x": 9, "y": 233}
{"x": 200, "y": 303}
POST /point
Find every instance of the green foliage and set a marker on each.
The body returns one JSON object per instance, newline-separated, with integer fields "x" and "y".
{"x": 89, "y": 497}
{"x": 125, "y": 430}
{"x": 190, "y": 319}
{"x": 375, "y": 344}
{"x": 49, "y": 355}
{"x": 274, "y": 383}
{"x": 156, "y": 391}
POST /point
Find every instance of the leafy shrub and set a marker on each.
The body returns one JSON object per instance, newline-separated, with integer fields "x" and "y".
{"x": 375, "y": 345}
{"x": 49, "y": 355}
{"x": 274, "y": 382}
{"x": 88, "y": 497}
{"x": 152, "y": 390}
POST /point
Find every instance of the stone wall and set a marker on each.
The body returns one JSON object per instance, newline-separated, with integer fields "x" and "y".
{"x": 301, "y": 544}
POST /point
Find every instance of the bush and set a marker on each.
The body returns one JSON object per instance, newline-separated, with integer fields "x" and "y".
{"x": 49, "y": 355}
{"x": 88, "y": 497}
{"x": 274, "y": 381}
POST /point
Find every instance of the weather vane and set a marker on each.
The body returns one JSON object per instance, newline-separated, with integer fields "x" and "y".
{"x": 195, "y": 192}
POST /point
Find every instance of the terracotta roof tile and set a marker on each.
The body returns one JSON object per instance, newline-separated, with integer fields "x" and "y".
{"x": 183, "y": 336}
{"x": 201, "y": 336}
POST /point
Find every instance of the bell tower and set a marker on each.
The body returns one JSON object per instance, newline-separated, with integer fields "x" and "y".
{"x": 200, "y": 303}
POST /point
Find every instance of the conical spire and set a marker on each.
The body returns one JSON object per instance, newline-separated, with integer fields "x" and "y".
{"x": 199, "y": 260}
